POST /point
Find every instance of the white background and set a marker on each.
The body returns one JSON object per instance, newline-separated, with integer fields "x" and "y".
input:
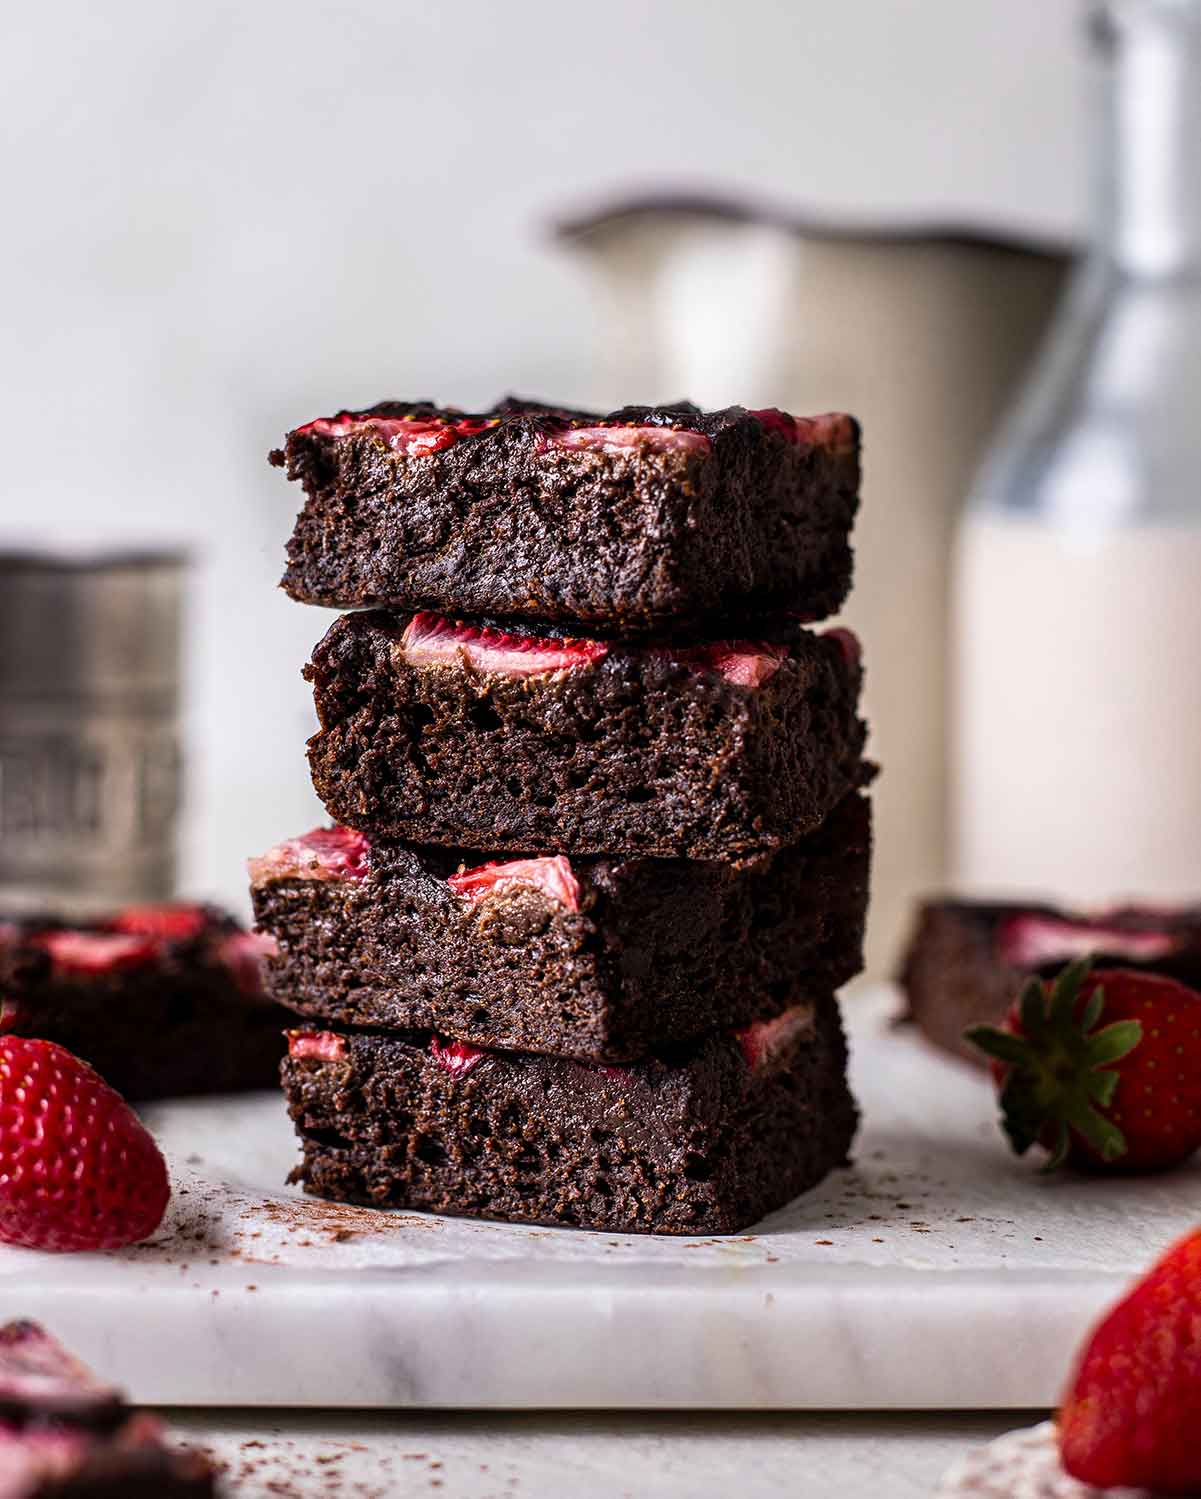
{"x": 222, "y": 219}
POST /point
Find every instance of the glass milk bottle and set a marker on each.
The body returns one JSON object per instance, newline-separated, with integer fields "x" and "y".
{"x": 1077, "y": 615}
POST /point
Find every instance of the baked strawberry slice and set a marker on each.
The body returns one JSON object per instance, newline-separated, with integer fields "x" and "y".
{"x": 81, "y": 953}
{"x": 168, "y": 920}
{"x": 551, "y": 874}
{"x": 1034, "y": 938}
{"x": 431, "y": 640}
{"x": 1132, "y": 1410}
{"x": 456, "y": 1057}
{"x": 1102, "y": 1069}
{"x": 607, "y": 438}
{"x": 78, "y": 1169}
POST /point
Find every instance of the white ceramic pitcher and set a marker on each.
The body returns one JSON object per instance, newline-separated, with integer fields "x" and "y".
{"x": 922, "y": 334}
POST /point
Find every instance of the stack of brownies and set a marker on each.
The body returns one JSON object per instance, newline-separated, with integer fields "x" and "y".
{"x": 601, "y": 851}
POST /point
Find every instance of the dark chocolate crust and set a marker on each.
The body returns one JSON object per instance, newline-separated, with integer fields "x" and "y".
{"x": 659, "y": 951}
{"x": 698, "y": 1144}
{"x": 113, "y": 1471}
{"x": 954, "y": 976}
{"x": 501, "y": 524}
{"x": 634, "y": 754}
{"x": 186, "y": 1021}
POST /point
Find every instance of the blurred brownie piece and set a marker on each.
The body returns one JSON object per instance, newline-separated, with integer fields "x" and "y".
{"x": 433, "y": 731}
{"x": 705, "y": 1140}
{"x": 65, "y": 1435}
{"x": 967, "y": 960}
{"x": 660, "y": 520}
{"x": 596, "y": 958}
{"x": 162, "y": 1000}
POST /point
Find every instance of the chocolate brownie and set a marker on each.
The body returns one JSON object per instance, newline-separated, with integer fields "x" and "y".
{"x": 162, "y": 1000}
{"x": 705, "y": 1140}
{"x": 439, "y": 732}
{"x": 65, "y": 1435}
{"x": 601, "y": 959}
{"x": 650, "y": 519}
{"x": 967, "y": 960}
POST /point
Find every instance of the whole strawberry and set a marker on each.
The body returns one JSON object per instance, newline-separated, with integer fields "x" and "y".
{"x": 1102, "y": 1069}
{"x": 1132, "y": 1410}
{"x": 78, "y": 1169}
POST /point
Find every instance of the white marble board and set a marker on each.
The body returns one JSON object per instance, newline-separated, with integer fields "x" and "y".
{"x": 937, "y": 1272}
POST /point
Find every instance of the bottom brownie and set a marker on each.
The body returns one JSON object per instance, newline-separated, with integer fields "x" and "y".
{"x": 706, "y": 1141}
{"x": 64, "y": 1435}
{"x": 967, "y": 960}
{"x": 162, "y": 1001}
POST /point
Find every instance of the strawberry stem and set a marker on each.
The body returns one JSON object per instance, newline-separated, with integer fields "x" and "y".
{"x": 1058, "y": 1068}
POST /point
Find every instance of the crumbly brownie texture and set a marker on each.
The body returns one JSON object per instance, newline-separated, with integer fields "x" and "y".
{"x": 64, "y": 1435}
{"x": 601, "y": 959}
{"x": 650, "y": 519}
{"x": 706, "y": 1141}
{"x": 967, "y": 960}
{"x": 162, "y": 1000}
{"x": 436, "y": 732}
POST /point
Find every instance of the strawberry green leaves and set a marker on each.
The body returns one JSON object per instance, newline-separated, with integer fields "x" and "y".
{"x": 1056, "y": 1068}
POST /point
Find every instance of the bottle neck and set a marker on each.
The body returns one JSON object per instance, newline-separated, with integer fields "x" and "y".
{"x": 1150, "y": 161}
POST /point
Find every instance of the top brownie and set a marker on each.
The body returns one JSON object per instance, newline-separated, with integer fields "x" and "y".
{"x": 650, "y": 520}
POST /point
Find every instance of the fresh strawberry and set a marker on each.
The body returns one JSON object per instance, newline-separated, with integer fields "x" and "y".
{"x": 1132, "y": 1410}
{"x": 1103, "y": 1069}
{"x": 78, "y": 1170}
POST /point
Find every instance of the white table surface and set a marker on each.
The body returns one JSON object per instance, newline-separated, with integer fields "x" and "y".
{"x": 938, "y": 1272}
{"x": 452, "y": 1455}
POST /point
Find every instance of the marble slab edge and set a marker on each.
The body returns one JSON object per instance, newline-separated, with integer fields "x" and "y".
{"x": 557, "y": 1337}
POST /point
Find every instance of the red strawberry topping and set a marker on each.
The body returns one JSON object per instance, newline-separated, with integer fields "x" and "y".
{"x": 1030, "y": 940}
{"x": 607, "y": 439}
{"x": 431, "y": 640}
{"x": 171, "y": 923}
{"x": 834, "y": 430}
{"x": 34, "y": 1367}
{"x": 324, "y": 854}
{"x": 412, "y": 437}
{"x": 746, "y": 663}
{"x": 1102, "y": 1069}
{"x": 456, "y": 1057}
{"x": 1132, "y": 1410}
{"x": 847, "y": 642}
{"x": 553, "y": 876}
{"x": 244, "y": 953}
{"x": 40, "y": 1460}
{"x": 772, "y": 419}
{"x": 319, "y": 1046}
{"x": 78, "y": 1170}
{"x": 767, "y": 1041}
{"x": 79, "y": 953}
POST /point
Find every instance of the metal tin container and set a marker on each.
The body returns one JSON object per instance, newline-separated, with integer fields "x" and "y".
{"x": 90, "y": 767}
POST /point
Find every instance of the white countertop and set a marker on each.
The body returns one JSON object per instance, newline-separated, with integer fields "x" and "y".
{"x": 452, "y": 1455}
{"x": 938, "y": 1272}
